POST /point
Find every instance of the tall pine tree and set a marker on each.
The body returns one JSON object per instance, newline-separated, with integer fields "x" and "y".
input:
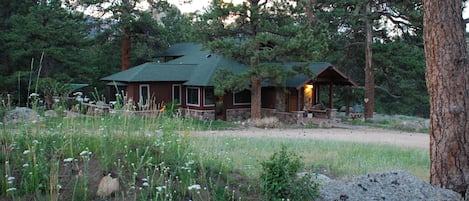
{"x": 256, "y": 33}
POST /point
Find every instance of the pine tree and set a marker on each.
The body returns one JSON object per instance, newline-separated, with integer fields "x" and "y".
{"x": 255, "y": 33}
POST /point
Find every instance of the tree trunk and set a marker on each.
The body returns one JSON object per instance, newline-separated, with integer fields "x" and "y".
{"x": 309, "y": 11}
{"x": 369, "y": 72}
{"x": 447, "y": 79}
{"x": 125, "y": 49}
{"x": 255, "y": 98}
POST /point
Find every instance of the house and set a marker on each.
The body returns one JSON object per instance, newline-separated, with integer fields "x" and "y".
{"x": 184, "y": 76}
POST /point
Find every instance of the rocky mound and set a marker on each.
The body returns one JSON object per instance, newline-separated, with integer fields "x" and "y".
{"x": 397, "y": 185}
{"x": 21, "y": 115}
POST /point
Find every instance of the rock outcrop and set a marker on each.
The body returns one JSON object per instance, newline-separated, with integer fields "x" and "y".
{"x": 21, "y": 115}
{"x": 396, "y": 185}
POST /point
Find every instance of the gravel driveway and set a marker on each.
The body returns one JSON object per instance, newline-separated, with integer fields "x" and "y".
{"x": 361, "y": 134}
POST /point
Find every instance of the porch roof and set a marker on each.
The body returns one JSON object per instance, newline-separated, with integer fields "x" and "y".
{"x": 324, "y": 73}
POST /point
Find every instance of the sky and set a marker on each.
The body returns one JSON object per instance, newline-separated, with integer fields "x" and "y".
{"x": 195, "y": 5}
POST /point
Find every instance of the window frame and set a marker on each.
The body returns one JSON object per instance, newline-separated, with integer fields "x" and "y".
{"x": 144, "y": 102}
{"x": 179, "y": 92}
{"x": 234, "y": 99}
{"x": 198, "y": 96}
{"x": 205, "y": 96}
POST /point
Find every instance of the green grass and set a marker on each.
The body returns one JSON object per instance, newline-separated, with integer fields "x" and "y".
{"x": 336, "y": 159}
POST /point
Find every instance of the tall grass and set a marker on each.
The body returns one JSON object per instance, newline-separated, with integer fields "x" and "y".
{"x": 159, "y": 159}
{"x": 64, "y": 159}
{"x": 336, "y": 159}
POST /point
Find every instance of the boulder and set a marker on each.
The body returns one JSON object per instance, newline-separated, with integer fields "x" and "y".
{"x": 315, "y": 177}
{"x": 396, "y": 185}
{"x": 21, "y": 115}
{"x": 107, "y": 186}
{"x": 51, "y": 113}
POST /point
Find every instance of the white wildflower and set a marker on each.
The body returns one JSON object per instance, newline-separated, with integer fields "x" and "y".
{"x": 26, "y": 165}
{"x": 26, "y": 152}
{"x": 68, "y": 159}
{"x": 33, "y": 95}
{"x": 145, "y": 184}
{"x": 195, "y": 186}
{"x": 10, "y": 178}
{"x": 160, "y": 188}
{"x": 35, "y": 142}
{"x": 85, "y": 152}
{"x": 11, "y": 189}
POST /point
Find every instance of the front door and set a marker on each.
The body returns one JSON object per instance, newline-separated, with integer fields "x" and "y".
{"x": 293, "y": 101}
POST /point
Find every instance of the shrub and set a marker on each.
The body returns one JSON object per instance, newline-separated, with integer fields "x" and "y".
{"x": 279, "y": 179}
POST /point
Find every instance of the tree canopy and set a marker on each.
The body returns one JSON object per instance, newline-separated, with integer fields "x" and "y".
{"x": 259, "y": 34}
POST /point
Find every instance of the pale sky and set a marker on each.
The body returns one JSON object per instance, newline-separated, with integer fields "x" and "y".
{"x": 195, "y": 5}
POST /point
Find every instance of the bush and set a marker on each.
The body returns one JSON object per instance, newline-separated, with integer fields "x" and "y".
{"x": 279, "y": 179}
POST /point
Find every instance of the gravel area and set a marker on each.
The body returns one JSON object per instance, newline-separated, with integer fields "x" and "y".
{"x": 358, "y": 134}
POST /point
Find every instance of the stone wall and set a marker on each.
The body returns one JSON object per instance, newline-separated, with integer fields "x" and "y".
{"x": 290, "y": 117}
{"x": 204, "y": 115}
{"x": 284, "y": 117}
{"x": 241, "y": 114}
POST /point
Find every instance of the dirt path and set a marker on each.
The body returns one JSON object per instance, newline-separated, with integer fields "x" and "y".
{"x": 363, "y": 135}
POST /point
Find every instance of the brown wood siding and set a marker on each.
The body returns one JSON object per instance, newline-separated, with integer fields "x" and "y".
{"x": 132, "y": 92}
{"x": 161, "y": 92}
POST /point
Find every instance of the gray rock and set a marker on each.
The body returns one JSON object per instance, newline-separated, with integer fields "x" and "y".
{"x": 396, "y": 185}
{"x": 316, "y": 177}
{"x": 51, "y": 113}
{"x": 21, "y": 115}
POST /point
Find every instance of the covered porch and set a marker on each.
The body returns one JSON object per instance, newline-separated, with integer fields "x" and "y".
{"x": 314, "y": 97}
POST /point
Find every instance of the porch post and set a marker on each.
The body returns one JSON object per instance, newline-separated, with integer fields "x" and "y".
{"x": 331, "y": 86}
{"x": 300, "y": 100}
{"x": 317, "y": 91}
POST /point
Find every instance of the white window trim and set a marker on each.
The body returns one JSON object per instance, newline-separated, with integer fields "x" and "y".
{"x": 140, "y": 93}
{"x": 210, "y": 105}
{"x": 180, "y": 93}
{"x": 234, "y": 101}
{"x": 198, "y": 96}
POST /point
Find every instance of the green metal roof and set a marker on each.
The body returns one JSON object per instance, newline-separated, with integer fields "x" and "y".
{"x": 76, "y": 86}
{"x": 151, "y": 72}
{"x": 196, "y": 67}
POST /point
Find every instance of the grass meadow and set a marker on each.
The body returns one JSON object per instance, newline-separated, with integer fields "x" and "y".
{"x": 159, "y": 159}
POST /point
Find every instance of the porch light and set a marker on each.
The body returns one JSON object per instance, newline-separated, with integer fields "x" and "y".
{"x": 309, "y": 86}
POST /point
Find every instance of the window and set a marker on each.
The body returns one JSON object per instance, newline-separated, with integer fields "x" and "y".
{"x": 144, "y": 94}
{"x": 209, "y": 97}
{"x": 242, "y": 98}
{"x": 193, "y": 96}
{"x": 177, "y": 94}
